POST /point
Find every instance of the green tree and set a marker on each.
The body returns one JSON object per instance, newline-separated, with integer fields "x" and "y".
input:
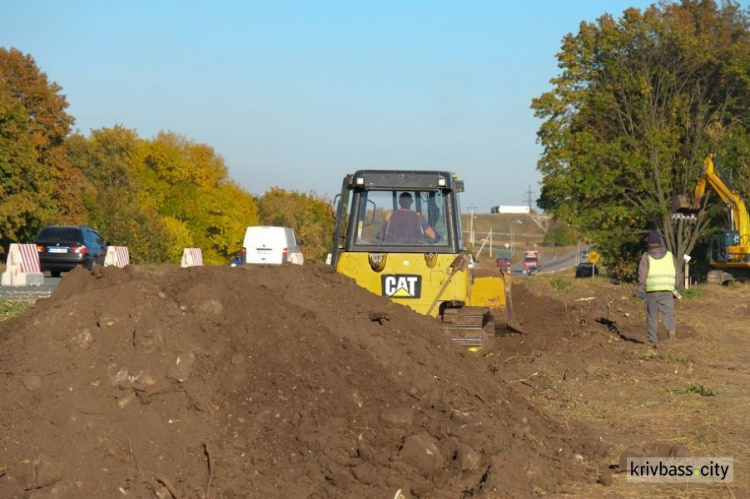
{"x": 38, "y": 185}
{"x": 311, "y": 217}
{"x": 560, "y": 234}
{"x": 640, "y": 101}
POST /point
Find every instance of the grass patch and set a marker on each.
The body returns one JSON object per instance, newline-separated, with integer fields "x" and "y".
{"x": 699, "y": 389}
{"x": 675, "y": 359}
{"x": 560, "y": 284}
{"x": 691, "y": 293}
{"x": 10, "y": 309}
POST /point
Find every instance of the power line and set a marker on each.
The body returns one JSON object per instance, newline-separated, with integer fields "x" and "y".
{"x": 528, "y": 198}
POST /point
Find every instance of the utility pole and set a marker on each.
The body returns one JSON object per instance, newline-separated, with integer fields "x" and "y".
{"x": 471, "y": 207}
{"x": 512, "y": 239}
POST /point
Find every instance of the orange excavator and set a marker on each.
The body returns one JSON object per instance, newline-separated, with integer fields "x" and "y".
{"x": 729, "y": 251}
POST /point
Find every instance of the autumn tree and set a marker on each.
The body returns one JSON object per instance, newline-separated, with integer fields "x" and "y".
{"x": 113, "y": 202}
{"x": 311, "y": 217}
{"x": 38, "y": 186}
{"x": 188, "y": 185}
{"x": 162, "y": 195}
{"x": 639, "y": 102}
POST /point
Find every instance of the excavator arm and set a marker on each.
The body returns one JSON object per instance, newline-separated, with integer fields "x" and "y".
{"x": 723, "y": 188}
{"x": 711, "y": 176}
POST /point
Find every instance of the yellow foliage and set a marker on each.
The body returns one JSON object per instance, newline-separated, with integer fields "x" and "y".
{"x": 187, "y": 183}
{"x": 179, "y": 238}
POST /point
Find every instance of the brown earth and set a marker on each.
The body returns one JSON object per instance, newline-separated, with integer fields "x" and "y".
{"x": 260, "y": 382}
{"x": 584, "y": 359}
{"x": 293, "y": 382}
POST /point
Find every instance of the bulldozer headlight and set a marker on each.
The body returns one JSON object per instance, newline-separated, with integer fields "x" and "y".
{"x": 430, "y": 260}
{"x": 377, "y": 261}
{"x": 360, "y": 180}
{"x": 441, "y": 182}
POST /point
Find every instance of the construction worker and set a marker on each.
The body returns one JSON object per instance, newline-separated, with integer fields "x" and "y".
{"x": 404, "y": 226}
{"x": 657, "y": 280}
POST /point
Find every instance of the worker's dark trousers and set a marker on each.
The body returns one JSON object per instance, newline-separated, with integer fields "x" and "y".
{"x": 659, "y": 301}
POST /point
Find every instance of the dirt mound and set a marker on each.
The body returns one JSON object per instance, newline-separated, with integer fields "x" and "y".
{"x": 260, "y": 382}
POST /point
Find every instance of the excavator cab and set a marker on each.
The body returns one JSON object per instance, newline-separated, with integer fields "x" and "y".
{"x": 720, "y": 244}
{"x": 399, "y": 235}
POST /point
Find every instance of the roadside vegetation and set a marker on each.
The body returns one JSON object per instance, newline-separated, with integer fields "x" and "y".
{"x": 10, "y": 308}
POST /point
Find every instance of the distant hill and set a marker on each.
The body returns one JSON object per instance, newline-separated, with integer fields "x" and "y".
{"x": 529, "y": 231}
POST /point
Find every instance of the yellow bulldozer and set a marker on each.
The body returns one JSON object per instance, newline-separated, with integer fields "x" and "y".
{"x": 398, "y": 234}
{"x": 729, "y": 251}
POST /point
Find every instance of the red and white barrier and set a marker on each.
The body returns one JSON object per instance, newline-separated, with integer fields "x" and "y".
{"x": 119, "y": 256}
{"x": 296, "y": 258}
{"x": 192, "y": 257}
{"x": 22, "y": 266}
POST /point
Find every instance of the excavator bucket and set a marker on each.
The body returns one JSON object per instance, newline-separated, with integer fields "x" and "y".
{"x": 683, "y": 208}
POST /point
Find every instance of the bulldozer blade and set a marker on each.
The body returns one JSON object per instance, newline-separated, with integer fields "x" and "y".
{"x": 511, "y": 324}
{"x": 489, "y": 314}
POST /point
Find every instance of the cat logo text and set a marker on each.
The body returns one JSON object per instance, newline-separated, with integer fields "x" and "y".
{"x": 402, "y": 286}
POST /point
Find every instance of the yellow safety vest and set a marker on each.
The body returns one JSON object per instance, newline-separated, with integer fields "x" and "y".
{"x": 661, "y": 273}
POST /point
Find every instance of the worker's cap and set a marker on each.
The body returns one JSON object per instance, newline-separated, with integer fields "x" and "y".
{"x": 654, "y": 238}
{"x": 404, "y": 197}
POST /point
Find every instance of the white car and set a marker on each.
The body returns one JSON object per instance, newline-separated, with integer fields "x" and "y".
{"x": 270, "y": 245}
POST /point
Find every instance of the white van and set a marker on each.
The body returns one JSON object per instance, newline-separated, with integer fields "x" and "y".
{"x": 266, "y": 245}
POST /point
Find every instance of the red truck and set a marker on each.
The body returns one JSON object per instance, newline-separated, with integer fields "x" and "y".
{"x": 503, "y": 262}
{"x": 531, "y": 262}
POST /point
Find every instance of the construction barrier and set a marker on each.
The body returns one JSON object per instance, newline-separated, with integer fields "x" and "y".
{"x": 296, "y": 258}
{"x": 192, "y": 257}
{"x": 22, "y": 266}
{"x": 119, "y": 256}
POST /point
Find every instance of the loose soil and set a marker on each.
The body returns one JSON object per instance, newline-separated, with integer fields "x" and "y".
{"x": 293, "y": 382}
{"x": 260, "y": 382}
{"x": 585, "y": 359}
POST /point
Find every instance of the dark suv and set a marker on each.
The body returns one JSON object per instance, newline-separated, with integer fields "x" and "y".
{"x": 63, "y": 248}
{"x": 586, "y": 269}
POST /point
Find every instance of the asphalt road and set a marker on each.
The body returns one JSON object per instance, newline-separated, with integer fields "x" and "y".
{"x": 29, "y": 293}
{"x": 550, "y": 263}
{"x": 553, "y": 263}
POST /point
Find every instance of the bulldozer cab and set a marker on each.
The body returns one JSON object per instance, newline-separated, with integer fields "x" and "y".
{"x": 403, "y": 212}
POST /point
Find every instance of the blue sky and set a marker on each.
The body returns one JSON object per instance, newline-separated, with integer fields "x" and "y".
{"x": 296, "y": 94}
